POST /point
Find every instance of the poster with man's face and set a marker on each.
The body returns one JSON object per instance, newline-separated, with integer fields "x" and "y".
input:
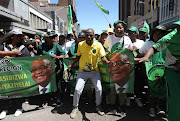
{"x": 120, "y": 76}
{"x": 42, "y": 71}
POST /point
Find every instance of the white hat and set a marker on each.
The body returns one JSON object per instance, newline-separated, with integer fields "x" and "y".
{"x": 16, "y": 31}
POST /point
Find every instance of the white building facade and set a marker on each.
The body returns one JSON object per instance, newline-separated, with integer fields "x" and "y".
{"x": 23, "y": 15}
{"x": 169, "y": 12}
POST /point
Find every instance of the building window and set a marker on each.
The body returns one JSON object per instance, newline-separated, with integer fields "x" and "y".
{"x": 134, "y": 7}
{"x": 137, "y": 7}
{"x": 141, "y": 4}
{"x": 61, "y": 27}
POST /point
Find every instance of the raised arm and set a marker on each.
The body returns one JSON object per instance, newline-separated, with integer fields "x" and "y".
{"x": 148, "y": 54}
{"x": 75, "y": 35}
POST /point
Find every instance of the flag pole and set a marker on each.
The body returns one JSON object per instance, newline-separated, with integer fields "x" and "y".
{"x": 103, "y": 14}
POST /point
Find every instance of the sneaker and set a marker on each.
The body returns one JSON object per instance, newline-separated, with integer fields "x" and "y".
{"x": 123, "y": 110}
{"x": 73, "y": 113}
{"x": 128, "y": 101}
{"x": 99, "y": 110}
{"x": 40, "y": 107}
{"x": 158, "y": 109}
{"x": 18, "y": 112}
{"x": 139, "y": 103}
{"x": 26, "y": 101}
{"x": 55, "y": 110}
{"x": 152, "y": 112}
{"x": 3, "y": 114}
{"x": 113, "y": 109}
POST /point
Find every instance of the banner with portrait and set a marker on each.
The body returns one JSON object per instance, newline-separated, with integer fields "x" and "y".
{"x": 27, "y": 76}
{"x": 120, "y": 76}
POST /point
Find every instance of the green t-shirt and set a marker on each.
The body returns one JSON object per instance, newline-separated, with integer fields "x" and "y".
{"x": 171, "y": 42}
{"x": 73, "y": 50}
{"x": 56, "y": 49}
{"x": 44, "y": 49}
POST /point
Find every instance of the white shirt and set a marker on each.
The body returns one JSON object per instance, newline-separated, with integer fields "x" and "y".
{"x": 146, "y": 46}
{"x": 117, "y": 87}
{"x": 47, "y": 87}
{"x": 138, "y": 44}
{"x": 112, "y": 39}
{"x": 68, "y": 45}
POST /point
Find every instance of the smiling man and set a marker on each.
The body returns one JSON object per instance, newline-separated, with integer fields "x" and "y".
{"x": 41, "y": 72}
{"x": 121, "y": 72}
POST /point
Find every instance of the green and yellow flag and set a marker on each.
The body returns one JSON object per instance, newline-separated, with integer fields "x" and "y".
{"x": 146, "y": 26}
{"x": 69, "y": 19}
{"x": 101, "y": 7}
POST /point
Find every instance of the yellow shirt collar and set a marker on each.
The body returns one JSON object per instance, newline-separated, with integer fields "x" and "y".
{"x": 93, "y": 44}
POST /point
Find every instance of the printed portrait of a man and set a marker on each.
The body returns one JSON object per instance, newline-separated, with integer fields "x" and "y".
{"x": 120, "y": 73}
{"x": 41, "y": 72}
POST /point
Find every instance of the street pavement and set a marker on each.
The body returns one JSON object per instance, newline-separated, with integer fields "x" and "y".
{"x": 87, "y": 113}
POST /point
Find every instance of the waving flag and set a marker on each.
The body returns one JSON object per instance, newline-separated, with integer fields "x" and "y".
{"x": 69, "y": 19}
{"x": 101, "y": 7}
{"x": 146, "y": 26}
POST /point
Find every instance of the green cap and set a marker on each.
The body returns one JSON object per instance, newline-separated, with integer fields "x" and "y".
{"x": 160, "y": 27}
{"x": 133, "y": 29}
{"x": 49, "y": 34}
{"x": 81, "y": 34}
{"x": 177, "y": 22}
{"x": 143, "y": 30}
{"x": 120, "y": 22}
{"x": 39, "y": 34}
{"x": 62, "y": 35}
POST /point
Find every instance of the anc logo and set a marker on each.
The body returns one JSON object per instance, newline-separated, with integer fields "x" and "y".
{"x": 117, "y": 46}
{"x": 156, "y": 72}
{"x": 94, "y": 51}
{"x": 51, "y": 53}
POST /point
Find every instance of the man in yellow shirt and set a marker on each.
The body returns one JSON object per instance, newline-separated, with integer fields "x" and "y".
{"x": 87, "y": 55}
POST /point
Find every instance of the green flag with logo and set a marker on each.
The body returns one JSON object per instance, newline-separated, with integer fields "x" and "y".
{"x": 101, "y": 7}
{"x": 69, "y": 19}
{"x": 147, "y": 27}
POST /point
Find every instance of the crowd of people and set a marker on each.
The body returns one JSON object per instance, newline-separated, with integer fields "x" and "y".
{"x": 148, "y": 47}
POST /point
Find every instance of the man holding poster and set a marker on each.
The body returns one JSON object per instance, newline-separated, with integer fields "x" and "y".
{"x": 13, "y": 48}
{"x": 57, "y": 53}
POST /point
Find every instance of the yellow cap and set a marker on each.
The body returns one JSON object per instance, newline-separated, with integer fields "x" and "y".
{"x": 110, "y": 30}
